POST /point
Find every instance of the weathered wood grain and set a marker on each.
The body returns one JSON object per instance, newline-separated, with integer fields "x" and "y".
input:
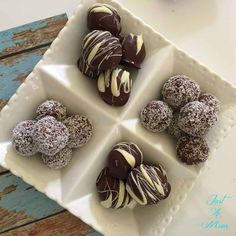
{"x": 20, "y": 203}
{"x": 14, "y": 70}
{"x": 61, "y": 224}
{"x": 31, "y": 35}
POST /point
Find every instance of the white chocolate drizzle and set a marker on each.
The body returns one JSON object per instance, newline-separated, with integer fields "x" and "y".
{"x": 100, "y": 45}
{"x": 139, "y": 42}
{"x": 116, "y": 80}
{"x": 115, "y": 195}
{"x": 150, "y": 182}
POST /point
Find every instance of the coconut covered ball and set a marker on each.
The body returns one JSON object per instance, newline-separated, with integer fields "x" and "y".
{"x": 80, "y": 130}
{"x": 22, "y": 139}
{"x": 50, "y": 135}
{"x": 192, "y": 150}
{"x": 196, "y": 118}
{"x": 59, "y": 160}
{"x": 210, "y": 100}
{"x": 180, "y": 90}
{"x": 51, "y": 108}
{"x": 156, "y": 116}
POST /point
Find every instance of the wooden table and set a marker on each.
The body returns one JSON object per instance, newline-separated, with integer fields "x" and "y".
{"x": 24, "y": 210}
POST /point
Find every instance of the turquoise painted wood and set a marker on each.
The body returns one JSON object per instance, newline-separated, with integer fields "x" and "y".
{"x": 30, "y": 35}
{"x": 20, "y": 203}
{"x": 15, "y": 69}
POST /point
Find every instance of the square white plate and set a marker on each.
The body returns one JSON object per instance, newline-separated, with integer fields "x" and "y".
{"x": 56, "y": 76}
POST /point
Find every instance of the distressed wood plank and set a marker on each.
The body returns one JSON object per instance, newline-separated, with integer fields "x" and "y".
{"x": 61, "y": 224}
{"x": 31, "y": 35}
{"x": 14, "y": 70}
{"x": 20, "y": 203}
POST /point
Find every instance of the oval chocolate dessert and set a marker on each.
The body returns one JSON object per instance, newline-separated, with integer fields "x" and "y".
{"x": 148, "y": 185}
{"x": 104, "y": 17}
{"x": 123, "y": 158}
{"x": 114, "y": 87}
{"x": 112, "y": 192}
{"x": 133, "y": 50}
{"x": 86, "y": 70}
{"x": 101, "y": 50}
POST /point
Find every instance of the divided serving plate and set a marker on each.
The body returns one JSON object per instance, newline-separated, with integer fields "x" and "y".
{"x": 56, "y": 76}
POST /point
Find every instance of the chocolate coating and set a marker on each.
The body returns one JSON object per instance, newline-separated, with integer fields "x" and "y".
{"x": 180, "y": 90}
{"x": 156, "y": 116}
{"x": 192, "y": 150}
{"x": 148, "y": 185}
{"x": 123, "y": 158}
{"x": 22, "y": 139}
{"x": 173, "y": 129}
{"x": 101, "y": 50}
{"x": 133, "y": 50}
{"x": 114, "y": 87}
{"x": 104, "y": 17}
{"x": 86, "y": 70}
{"x": 50, "y": 135}
{"x": 111, "y": 191}
{"x": 196, "y": 118}
{"x": 80, "y": 130}
{"x": 210, "y": 100}
{"x": 59, "y": 160}
{"x": 51, "y": 108}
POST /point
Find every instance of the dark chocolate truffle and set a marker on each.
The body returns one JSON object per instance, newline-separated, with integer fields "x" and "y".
{"x": 196, "y": 118}
{"x": 111, "y": 191}
{"x": 80, "y": 130}
{"x": 51, "y": 108}
{"x": 156, "y": 116}
{"x": 104, "y": 17}
{"x": 148, "y": 185}
{"x": 22, "y": 139}
{"x": 180, "y": 90}
{"x": 123, "y": 158}
{"x": 50, "y": 135}
{"x": 86, "y": 70}
{"x": 114, "y": 86}
{"x": 210, "y": 100}
{"x": 133, "y": 50}
{"x": 101, "y": 50}
{"x": 59, "y": 160}
{"x": 192, "y": 150}
{"x": 173, "y": 129}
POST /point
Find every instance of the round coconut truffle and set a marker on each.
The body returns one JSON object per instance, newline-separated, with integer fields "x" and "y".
{"x": 148, "y": 185}
{"x": 210, "y": 100}
{"x": 123, "y": 158}
{"x": 104, "y": 17}
{"x": 133, "y": 50}
{"x": 50, "y": 135}
{"x": 180, "y": 90}
{"x": 196, "y": 118}
{"x": 112, "y": 192}
{"x": 59, "y": 160}
{"x": 51, "y": 108}
{"x": 80, "y": 130}
{"x": 101, "y": 50}
{"x": 114, "y": 86}
{"x": 173, "y": 129}
{"x": 86, "y": 70}
{"x": 192, "y": 150}
{"x": 22, "y": 139}
{"x": 156, "y": 116}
